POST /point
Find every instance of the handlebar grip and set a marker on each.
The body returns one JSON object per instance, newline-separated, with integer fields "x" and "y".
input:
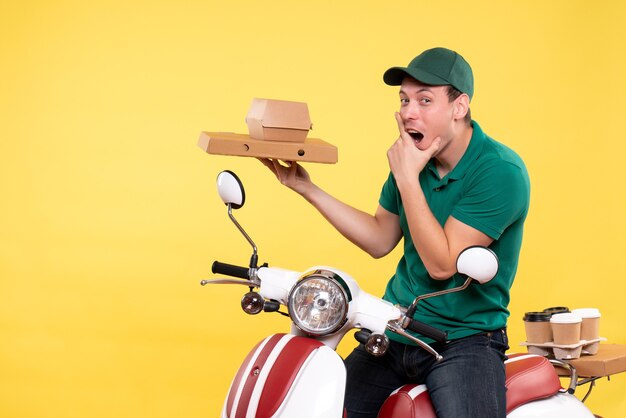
{"x": 428, "y": 331}
{"x": 230, "y": 270}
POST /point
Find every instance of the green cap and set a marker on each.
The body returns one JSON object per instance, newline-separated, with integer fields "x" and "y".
{"x": 436, "y": 67}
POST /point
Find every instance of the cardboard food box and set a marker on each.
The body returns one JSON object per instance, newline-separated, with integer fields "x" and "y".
{"x": 610, "y": 359}
{"x": 227, "y": 143}
{"x": 278, "y": 120}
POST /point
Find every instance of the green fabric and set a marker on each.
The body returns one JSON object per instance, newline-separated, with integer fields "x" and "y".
{"x": 437, "y": 67}
{"x": 489, "y": 190}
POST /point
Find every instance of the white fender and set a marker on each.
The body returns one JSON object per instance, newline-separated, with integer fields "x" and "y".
{"x": 281, "y": 375}
{"x": 561, "y": 405}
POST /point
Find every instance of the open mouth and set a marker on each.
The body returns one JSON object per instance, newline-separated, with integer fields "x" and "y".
{"x": 417, "y": 136}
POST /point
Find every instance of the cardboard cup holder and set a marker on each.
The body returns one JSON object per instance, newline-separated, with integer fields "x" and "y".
{"x": 564, "y": 351}
{"x": 563, "y": 334}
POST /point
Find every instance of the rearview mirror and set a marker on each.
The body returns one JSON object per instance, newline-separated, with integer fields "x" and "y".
{"x": 230, "y": 189}
{"x": 479, "y": 263}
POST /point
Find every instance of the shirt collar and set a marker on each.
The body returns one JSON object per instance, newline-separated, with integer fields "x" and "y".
{"x": 471, "y": 153}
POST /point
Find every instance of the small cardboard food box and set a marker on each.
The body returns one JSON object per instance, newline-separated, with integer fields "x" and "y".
{"x": 278, "y": 120}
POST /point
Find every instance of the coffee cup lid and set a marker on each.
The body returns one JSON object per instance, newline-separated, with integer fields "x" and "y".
{"x": 565, "y": 318}
{"x": 556, "y": 309}
{"x": 587, "y": 312}
{"x": 536, "y": 317}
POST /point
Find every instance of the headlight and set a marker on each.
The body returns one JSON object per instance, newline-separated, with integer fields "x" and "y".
{"x": 318, "y": 303}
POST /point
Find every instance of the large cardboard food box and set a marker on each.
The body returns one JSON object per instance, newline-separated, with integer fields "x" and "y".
{"x": 312, "y": 150}
{"x": 610, "y": 359}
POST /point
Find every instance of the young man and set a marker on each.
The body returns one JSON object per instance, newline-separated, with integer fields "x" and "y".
{"x": 450, "y": 187}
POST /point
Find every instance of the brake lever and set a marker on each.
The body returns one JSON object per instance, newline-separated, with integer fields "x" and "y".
{"x": 394, "y": 326}
{"x": 244, "y": 282}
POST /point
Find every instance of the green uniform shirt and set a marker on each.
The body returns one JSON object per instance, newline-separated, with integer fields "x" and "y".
{"x": 488, "y": 190}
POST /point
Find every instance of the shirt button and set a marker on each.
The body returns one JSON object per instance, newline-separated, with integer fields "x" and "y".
{"x": 437, "y": 189}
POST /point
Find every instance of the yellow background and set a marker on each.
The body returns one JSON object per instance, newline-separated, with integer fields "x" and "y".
{"x": 109, "y": 215}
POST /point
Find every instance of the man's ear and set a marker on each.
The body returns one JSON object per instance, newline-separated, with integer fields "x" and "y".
{"x": 461, "y": 106}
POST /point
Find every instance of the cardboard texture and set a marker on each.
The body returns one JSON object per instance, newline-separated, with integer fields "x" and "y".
{"x": 226, "y": 143}
{"x": 278, "y": 120}
{"x": 610, "y": 359}
{"x": 564, "y": 351}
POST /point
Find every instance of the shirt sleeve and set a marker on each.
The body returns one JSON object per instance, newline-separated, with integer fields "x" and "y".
{"x": 389, "y": 195}
{"x": 497, "y": 197}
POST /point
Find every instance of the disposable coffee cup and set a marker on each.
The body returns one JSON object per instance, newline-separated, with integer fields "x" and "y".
{"x": 590, "y": 327}
{"x": 538, "y": 328}
{"x": 566, "y": 328}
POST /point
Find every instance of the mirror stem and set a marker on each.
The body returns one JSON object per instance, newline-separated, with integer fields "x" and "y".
{"x": 254, "y": 258}
{"x": 411, "y": 311}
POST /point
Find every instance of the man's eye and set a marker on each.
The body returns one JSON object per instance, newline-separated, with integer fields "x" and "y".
{"x": 404, "y": 101}
{"x": 425, "y": 100}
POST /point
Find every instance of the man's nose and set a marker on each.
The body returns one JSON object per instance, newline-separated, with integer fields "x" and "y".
{"x": 410, "y": 111}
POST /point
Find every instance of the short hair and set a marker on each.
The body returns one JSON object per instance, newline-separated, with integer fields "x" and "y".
{"x": 453, "y": 93}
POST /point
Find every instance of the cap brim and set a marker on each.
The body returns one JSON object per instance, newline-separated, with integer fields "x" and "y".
{"x": 395, "y": 75}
